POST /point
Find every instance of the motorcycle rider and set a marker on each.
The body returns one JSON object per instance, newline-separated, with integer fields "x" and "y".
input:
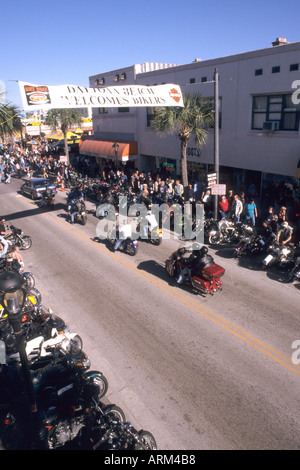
{"x": 4, "y": 231}
{"x": 284, "y": 234}
{"x": 125, "y": 231}
{"x": 3, "y": 247}
{"x": 197, "y": 261}
{"x": 76, "y": 208}
{"x": 47, "y": 194}
{"x": 150, "y": 223}
{"x": 16, "y": 256}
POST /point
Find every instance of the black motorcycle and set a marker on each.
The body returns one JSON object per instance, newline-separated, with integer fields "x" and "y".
{"x": 294, "y": 273}
{"x": 9, "y": 264}
{"x": 17, "y": 238}
{"x": 113, "y": 433}
{"x": 253, "y": 245}
{"x": 67, "y": 397}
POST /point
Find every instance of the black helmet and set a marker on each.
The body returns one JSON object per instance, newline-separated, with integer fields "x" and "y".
{"x": 204, "y": 250}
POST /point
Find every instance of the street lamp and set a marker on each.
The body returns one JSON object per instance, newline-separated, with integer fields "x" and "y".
{"x": 12, "y": 298}
{"x": 115, "y": 147}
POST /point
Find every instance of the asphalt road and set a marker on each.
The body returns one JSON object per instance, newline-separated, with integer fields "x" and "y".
{"x": 198, "y": 372}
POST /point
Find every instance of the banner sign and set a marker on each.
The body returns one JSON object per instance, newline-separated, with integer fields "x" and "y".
{"x": 73, "y": 96}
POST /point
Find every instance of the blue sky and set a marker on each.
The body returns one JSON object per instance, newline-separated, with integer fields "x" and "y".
{"x": 63, "y": 41}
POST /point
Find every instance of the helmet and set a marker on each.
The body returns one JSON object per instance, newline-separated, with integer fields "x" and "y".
{"x": 204, "y": 250}
{"x": 195, "y": 246}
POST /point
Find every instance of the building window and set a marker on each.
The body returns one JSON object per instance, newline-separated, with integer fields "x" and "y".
{"x": 294, "y": 67}
{"x": 103, "y": 110}
{"x": 203, "y": 79}
{"x": 192, "y": 80}
{"x": 149, "y": 116}
{"x": 276, "y": 69}
{"x": 278, "y": 110}
{"x": 123, "y": 110}
{"x": 258, "y": 72}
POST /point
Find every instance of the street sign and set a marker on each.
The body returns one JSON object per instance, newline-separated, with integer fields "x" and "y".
{"x": 218, "y": 189}
{"x": 211, "y": 179}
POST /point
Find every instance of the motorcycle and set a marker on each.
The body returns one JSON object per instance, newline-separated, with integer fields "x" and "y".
{"x": 10, "y": 264}
{"x": 128, "y": 245}
{"x": 295, "y": 271}
{"x": 225, "y": 231}
{"x": 281, "y": 255}
{"x": 120, "y": 435}
{"x": 67, "y": 395}
{"x": 47, "y": 202}
{"x": 17, "y": 238}
{"x": 43, "y": 332}
{"x": 253, "y": 245}
{"x": 80, "y": 217}
{"x": 208, "y": 281}
{"x": 155, "y": 236}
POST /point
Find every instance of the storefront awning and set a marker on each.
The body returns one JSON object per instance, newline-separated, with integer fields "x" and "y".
{"x": 106, "y": 149}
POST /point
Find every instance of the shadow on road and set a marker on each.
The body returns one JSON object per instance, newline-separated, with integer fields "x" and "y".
{"x": 30, "y": 212}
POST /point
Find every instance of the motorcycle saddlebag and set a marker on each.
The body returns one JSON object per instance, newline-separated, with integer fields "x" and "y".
{"x": 213, "y": 272}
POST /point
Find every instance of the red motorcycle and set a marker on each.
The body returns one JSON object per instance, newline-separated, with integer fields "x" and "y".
{"x": 207, "y": 281}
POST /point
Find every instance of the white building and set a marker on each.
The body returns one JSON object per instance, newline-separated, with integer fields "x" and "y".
{"x": 259, "y": 123}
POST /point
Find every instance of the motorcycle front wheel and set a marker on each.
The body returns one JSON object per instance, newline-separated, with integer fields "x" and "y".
{"x": 146, "y": 441}
{"x": 26, "y": 243}
{"x": 99, "y": 380}
{"x": 114, "y": 412}
{"x": 131, "y": 249}
{"x": 84, "y": 220}
{"x": 30, "y": 281}
{"x": 214, "y": 239}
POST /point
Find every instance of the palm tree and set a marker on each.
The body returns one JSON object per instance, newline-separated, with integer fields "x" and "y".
{"x": 194, "y": 118}
{"x": 10, "y": 120}
{"x": 65, "y": 118}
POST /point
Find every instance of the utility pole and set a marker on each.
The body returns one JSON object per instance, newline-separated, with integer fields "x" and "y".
{"x": 216, "y": 136}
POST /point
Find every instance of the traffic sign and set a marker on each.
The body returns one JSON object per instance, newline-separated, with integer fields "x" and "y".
{"x": 218, "y": 189}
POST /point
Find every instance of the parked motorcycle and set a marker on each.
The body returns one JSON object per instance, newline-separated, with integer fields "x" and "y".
{"x": 9, "y": 264}
{"x": 67, "y": 396}
{"x": 119, "y": 435}
{"x": 207, "y": 281}
{"x": 225, "y": 231}
{"x": 280, "y": 255}
{"x": 24, "y": 242}
{"x": 295, "y": 268}
{"x": 253, "y": 245}
{"x": 295, "y": 271}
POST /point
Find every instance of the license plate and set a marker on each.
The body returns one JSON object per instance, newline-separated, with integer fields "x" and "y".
{"x": 268, "y": 259}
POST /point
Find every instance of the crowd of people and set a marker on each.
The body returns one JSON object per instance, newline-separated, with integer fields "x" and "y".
{"x": 281, "y": 200}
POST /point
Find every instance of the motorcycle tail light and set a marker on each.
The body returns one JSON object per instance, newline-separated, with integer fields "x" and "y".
{"x": 25, "y": 318}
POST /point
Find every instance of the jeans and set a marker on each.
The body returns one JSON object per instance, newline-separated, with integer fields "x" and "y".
{"x": 118, "y": 243}
{"x": 73, "y": 216}
{"x": 252, "y": 218}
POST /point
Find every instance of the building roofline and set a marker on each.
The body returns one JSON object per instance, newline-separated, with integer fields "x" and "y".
{"x": 231, "y": 58}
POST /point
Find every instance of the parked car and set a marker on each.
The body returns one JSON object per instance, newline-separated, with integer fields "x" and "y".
{"x": 34, "y": 187}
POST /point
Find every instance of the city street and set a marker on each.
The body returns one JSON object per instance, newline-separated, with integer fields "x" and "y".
{"x": 197, "y": 372}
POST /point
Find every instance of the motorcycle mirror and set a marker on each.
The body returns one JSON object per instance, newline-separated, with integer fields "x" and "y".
{"x": 2, "y": 352}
